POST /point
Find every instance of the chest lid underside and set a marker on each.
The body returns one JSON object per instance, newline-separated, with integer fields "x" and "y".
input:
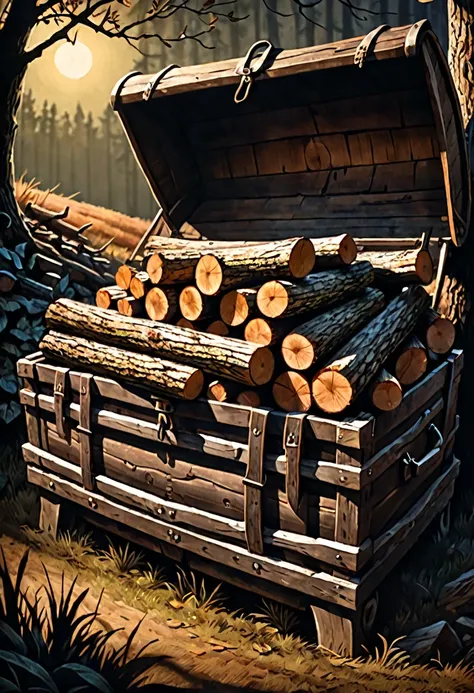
{"x": 320, "y": 145}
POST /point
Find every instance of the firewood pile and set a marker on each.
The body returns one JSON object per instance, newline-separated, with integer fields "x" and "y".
{"x": 299, "y": 324}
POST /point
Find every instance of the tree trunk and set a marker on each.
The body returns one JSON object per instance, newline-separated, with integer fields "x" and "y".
{"x": 229, "y": 358}
{"x": 175, "y": 379}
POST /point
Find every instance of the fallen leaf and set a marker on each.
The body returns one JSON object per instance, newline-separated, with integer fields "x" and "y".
{"x": 175, "y": 603}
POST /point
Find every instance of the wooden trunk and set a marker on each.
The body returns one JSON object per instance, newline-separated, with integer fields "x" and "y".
{"x": 362, "y": 137}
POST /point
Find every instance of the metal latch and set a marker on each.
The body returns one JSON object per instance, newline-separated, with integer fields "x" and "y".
{"x": 155, "y": 80}
{"x": 367, "y": 45}
{"x": 164, "y": 422}
{"x": 260, "y": 52}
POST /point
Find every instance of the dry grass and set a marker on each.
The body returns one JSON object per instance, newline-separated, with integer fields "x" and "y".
{"x": 126, "y": 231}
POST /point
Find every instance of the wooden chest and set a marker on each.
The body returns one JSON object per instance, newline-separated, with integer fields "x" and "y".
{"x": 365, "y": 136}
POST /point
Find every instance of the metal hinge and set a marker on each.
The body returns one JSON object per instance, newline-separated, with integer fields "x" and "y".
{"x": 260, "y": 51}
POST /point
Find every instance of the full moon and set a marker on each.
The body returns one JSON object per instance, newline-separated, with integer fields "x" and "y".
{"x": 73, "y": 60}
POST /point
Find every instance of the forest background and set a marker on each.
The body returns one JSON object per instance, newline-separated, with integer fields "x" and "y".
{"x": 69, "y": 134}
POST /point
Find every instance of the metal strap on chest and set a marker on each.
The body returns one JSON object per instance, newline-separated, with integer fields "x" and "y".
{"x": 248, "y": 70}
{"x": 254, "y": 482}
{"x": 155, "y": 80}
{"x": 60, "y": 394}
{"x": 84, "y": 430}
{"x": 367, "y": 45}
{"x": 292, "y": 440}
{"x": 117, "y": 91}
{"x": 164, "y": 421}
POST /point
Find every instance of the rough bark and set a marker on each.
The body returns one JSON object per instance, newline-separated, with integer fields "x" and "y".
{"x": 337, "y": 251}
{"x": 411, "y": 361}
{"x": 277, "y": 299}
{"x": 400, "y": 267}
{"x": 313, "y": 340}
{"x": 461, "y": 53}
{"x": 357, "y": 362}
{"x": 108, "y": 296}
{"x": 157, "y": 243}
{"x": 229, "y": 358}
{"x": 227, "y": 268}
{"x": 173, "y": 266}
{"x": 174, "y": 379}
{"x": 386, "y": 392}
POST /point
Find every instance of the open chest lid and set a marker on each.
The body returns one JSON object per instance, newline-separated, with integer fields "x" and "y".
{"x": 364, "y": 135}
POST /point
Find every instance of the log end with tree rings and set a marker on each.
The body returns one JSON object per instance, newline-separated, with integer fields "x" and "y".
{"x": 130, "y": 307}
{"x": 221, "y": 391}
{"x": 194, "y": 385}
{"x": 332, "y": 392}
{"x": 191, "y": 303}
{"x": 424, "y": 267}
{"x": 208, "y": 275}
{"x": 249, "y": 398}
{"x": 182, "y": 322}
{"x": 123, "y": 276}
{"x": 234, "y": 308}
{"x": 272, "y": 299}
{"x": 138, "y": 284}
{"x": 161, "y": 305}
{"x": 261, "y": 366}
{"x": 440, "y": 335}
{"x": 348, "y": 250}
{"x": 154, "y": 268}
{"x": 218, "y": 327}
{"x": 386, "y": 392}
{"x": 109, "y": 295}
{"x": 292, "y": 392}
{"x": 302, "y": 258}
{"x": 411, "y": 363}
{"x": 258, "y": 331}
{"x": 298, "y": 352}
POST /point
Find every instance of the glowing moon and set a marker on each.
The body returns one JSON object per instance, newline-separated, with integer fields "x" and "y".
{"x": 73, "y": 60}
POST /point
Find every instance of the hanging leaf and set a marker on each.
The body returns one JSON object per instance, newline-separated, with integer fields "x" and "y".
{"x": 9, "y": 383}
{"x": 4, "y": 252}
{"x": 33, "y": 305}
{"x": 16, "y": 259}
{"x": 20, "y": 249}
{"x": 23, "y": 323}
{"x": 8, "y": 305}
{"x": 11, "y": 349}
{"x": 7, "y": 367}
{"x": 19, "y": 334}
{"x": 3, "y": 321}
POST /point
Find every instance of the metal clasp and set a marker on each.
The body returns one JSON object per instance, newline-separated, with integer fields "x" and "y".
{"x": 367, "y": 45}
{"x": 164, "y": 422}
{"x": 155, "y": 80}
{"x": 248, "y": 72}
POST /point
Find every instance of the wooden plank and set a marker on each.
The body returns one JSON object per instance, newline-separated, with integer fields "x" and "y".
{"x": 49, "y": 517}
{"x": 84, "y": 430}
{"x": 337, "y": 631}
{"x": 293, "y": 439}
{"x": 352, "y": 517}
{"x": 242, "y": 161}
{"x": 254, "y": 482}
{"x": 318, "y": 585}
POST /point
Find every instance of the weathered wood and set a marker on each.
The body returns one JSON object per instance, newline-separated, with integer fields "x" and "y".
{"x": 313, "y": 340}
{"x": 226, "y": 268}
{"x": 254, "y": 482}
{"x": 458, "y": 593}
{"x": 292, "y": 392}
{"x": 172, "y": 266}
{"x": 386, "y": 392}
{"x": 353, "y": 367}
{"x": 168, "y": 377}
{"x": 338, "y": 631}
{"x": 437, "y": 640}
{"x": 194, "y": 305}
{"x": 108, "y": 296}
{"x": 335, "y": 251}
{"x": 237, "y": 306}
{"x": 230, "y": 358}
{"x": 161, "y": 304}
{"x": 411, "y": 361}
{"x": 415, "y": 266}
{"x": 49, "y": 515}
{"x": 277, "y": 299}
{"x": 85, "y": 432}
{"x": 318, "y": 585}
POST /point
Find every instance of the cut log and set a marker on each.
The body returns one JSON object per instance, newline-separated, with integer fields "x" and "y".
{"x": 124, "y": 275}
{"x": 335, "y": 251}
{"x": 172, "y": 266}
{"x": 440, "y": 332}
{"x": 292, "y": 392}
{"x": 313, "y": 340}
{"x": 356, "y": 364}
{"x": 194, "y": 306}
{"x": 267, "y": 332}
{"x": 277, "y": 299}
{"x": 416, "y": 266}
{"x": 227, "y": 268}
{"x": 218, "y": 327}
{"x": 249, "y": 398}
{"x": 386, "y": 392}
{"x": 131, "y": 307}
{"x": 177, "y": 380}
{"x": 7, "y": 281}
{"x": 234, "y": 359}
{"x": 161, "y": 304}
{"x": 411, "y": 362}
{"x": 182, "y": 322}
{"x": 140, "y": 284}
{"x": 158, "y": 243}
{"x": 108, "y": 296}
{"x": 222, "y": 391}
{"x": 236, "y": 306}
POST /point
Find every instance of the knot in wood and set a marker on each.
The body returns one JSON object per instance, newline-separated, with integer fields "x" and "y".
{"x": 172, "y": 514}
{"x": 51, "y": 485}
{"x": 170, "y": 532}
{"x": 177, "y": 538}
{"x": 256, "y": 566}
{"x": 256, "y": 432}
{"x": 92, "y": 503}
{"x": 160, "y": 511}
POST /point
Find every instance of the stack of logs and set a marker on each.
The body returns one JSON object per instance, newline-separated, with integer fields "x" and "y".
{"x": 298, "y": 323}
